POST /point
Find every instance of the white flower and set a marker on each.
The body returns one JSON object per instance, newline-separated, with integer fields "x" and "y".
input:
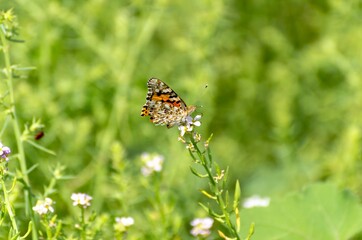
{"x": 189, "y": 124}
{"x": 4, "y": 152}
{"x": 183, "y": 129}
{"x": 201, "y": 226}
{"x": 256, "y": 201}
{"x": 125, "y": 221}
{"x": 81, "y": 199}
{"x": 194, "y": 121}
{"x": 152, "y": 163}
{"x": 43, "y": 206}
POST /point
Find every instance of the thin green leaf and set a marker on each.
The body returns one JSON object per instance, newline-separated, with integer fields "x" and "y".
{"x": 194, "y": 171}
{"x": 192, "y": 156}
{"x": 226, "y": 174}
{"x": 237, "y": 218}
{"x": 226, "y": 199}
{"x": 204, "y": 207}
{"x": 40, "y": 147}
{"x": 30, "y": 227}
{"x": 223, "y": 236}
{"x": 251, "y": 231}
{"x": 32, "y": 168}
{"x": 236, "y": 195}
{"x": 208, "y": 195}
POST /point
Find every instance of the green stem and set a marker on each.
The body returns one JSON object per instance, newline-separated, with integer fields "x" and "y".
{"x": 9, "y": 208}
{"x": 16, "y": 128}
{"x": 50, "y": 187}
{"x": 83, "y": 225}
{"x": 48, "y": 228}
{"x": 159, "y": 204}
{"x": 204, "y": 163}
{"x": 208, "y": 166}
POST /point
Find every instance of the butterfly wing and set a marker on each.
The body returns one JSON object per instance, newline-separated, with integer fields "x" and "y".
{"x": 163, "y": 105}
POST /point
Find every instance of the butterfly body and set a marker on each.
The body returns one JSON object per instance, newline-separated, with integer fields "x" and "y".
{"x": 163, "y": 105}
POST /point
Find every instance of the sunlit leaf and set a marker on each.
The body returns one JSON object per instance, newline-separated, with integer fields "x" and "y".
{"x": 320, "y": 211}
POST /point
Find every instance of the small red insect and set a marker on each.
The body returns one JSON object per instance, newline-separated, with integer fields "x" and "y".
{"x": 39, "y": 135}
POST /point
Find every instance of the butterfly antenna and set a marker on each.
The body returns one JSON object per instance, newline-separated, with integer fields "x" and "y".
{"x": 201, "y": 96}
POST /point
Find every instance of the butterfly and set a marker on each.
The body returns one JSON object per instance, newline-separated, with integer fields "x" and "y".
{"x": 164, "y": 106}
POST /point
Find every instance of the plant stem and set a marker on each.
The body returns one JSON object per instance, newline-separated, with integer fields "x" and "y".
{"x": 83, "y": 225}
{"x": 8, "y": 207}
{"x": 208, "y": 166}
{"x": 159, "y": 204}
{"x": 16, "y": 128}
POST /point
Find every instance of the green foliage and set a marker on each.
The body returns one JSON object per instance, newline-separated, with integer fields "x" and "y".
{"x": 320, "y": 211}
{"x": 278, "y": 83}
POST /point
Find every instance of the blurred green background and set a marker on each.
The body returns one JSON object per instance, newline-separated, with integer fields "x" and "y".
{"x": 278, "y": 81}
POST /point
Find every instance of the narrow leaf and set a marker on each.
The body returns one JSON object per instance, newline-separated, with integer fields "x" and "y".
{"x": 40, "y": 147}
{"x": 208, "y": 195}
{"x": 237, "y": 219}
{"x": 226, "y": 199}
{"x": 30, "y": 227}
{"x": 204, "y": 207}
{"x": 251, "y": 231}
{"x": 194, "y": 171}
{"x": 223, "y": 236}
{"x": 236, "y": 195}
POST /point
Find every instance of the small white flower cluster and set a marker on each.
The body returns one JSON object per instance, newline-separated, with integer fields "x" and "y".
{"x": 43, "y": 206}
{"x": 4, "y": 152}
{"x": 201, "y": 226}
{"x": 81, "y": 199}
{"x": 151, "y": 163}
{"x": 189, "y": 124}
{"x": 123, "y": 223}
{"x": 256, "y": 201}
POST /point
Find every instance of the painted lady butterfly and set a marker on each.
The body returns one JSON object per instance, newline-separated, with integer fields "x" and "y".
{"x": 164, "y": 106}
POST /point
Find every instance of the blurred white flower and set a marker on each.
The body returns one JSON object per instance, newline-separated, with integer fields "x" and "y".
{"x": 43, "y": 206}
{"x": 151, "y": 163}
{"x": 125, "y": 221}
{"x": 256, "y": 201}
{"x": 201, "y": 226}
{"x": 81, "y": 199}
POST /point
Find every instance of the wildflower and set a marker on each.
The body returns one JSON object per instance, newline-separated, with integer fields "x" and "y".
{"x": 8, "y": 16}
{"x": 43, "y": 206}
{"x": 52, "y": 223}
{"x": 122, "y": 223}
{"x": 4, "y": 152}
{"x": 77, "y": 226}
{"x": 189, "y": 124}
{"x": 152, "y": 163}
{"x": 181, "y": 139}
{"x": 220, "y": 176}
{"x": 256, "y": 201}
{"x": 81, "y": 199}
{"x": 190, "y": 147}
{"x": 194, "y": 121}
{"x": 185, "y": 128}
{"x": 197, "y": 137}
{"x": 201, "y": 226}
{"x": 125, "y": 221}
